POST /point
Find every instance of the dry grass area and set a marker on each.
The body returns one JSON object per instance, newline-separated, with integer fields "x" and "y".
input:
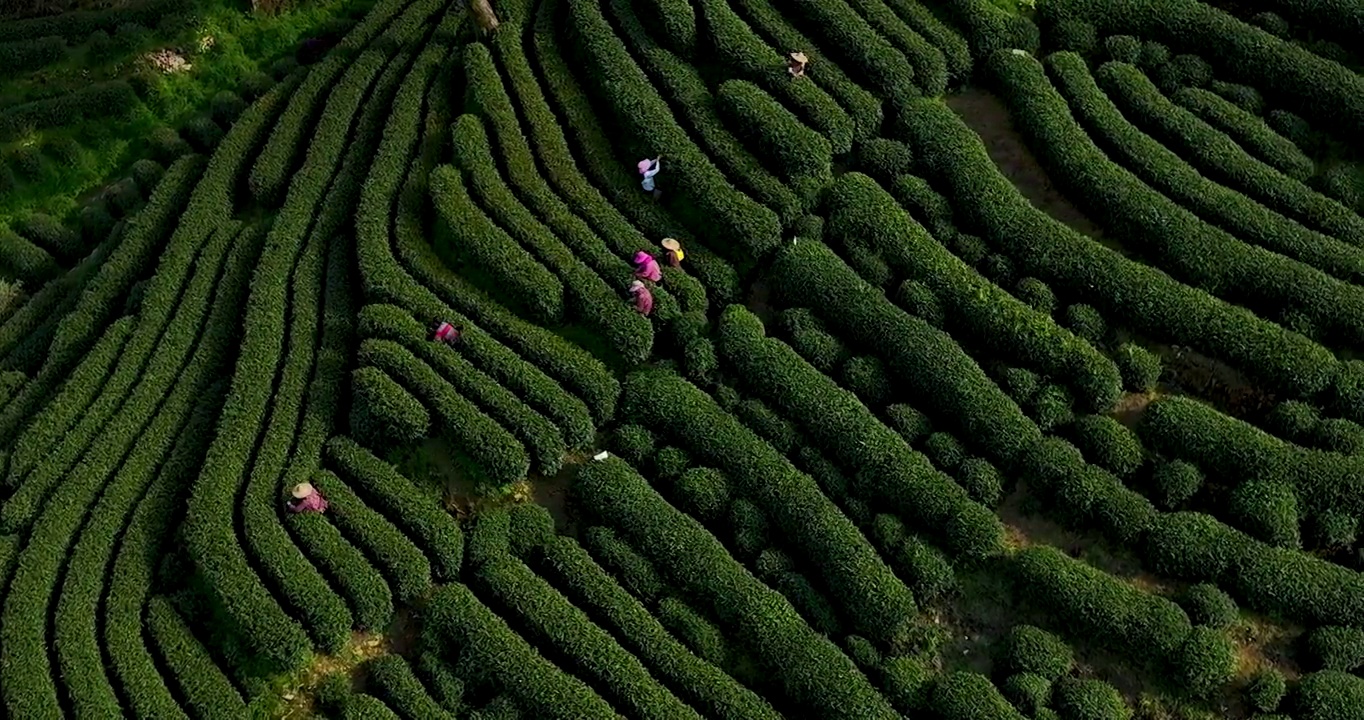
{"x": 296, "y": 697}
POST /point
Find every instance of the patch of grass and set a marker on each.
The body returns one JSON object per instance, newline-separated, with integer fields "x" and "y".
{"x": 223, "y": 43}
{"x": 290, "y": 696}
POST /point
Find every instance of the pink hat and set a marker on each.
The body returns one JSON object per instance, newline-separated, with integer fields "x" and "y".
{"x": 644, "y": 166}
{"x": 641, "y": 257}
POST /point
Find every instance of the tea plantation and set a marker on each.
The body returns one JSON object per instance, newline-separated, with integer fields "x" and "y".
{"x": 1011, "y": 370}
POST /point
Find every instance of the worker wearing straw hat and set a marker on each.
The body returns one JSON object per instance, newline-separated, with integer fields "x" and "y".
{"x": 796, "y": 64}
{"x": 673, "y": 251}
{"x": 307, "y": 499}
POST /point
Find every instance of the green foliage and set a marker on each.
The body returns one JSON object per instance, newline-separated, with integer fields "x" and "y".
{"x": 1076, "y": 699}
{"x": 946, "y": 452}
{"x": 911, "y": 424}
{"x": 1140, "y": 368}
{"x": 1208, "y": 605}
{"x": 866, "y": 377}
{"x": 1174, "y": 483}
{"x": 1268, "y": 511}
{"x": 1266, "y": 690}
{"x": 800, "y": 154}
{"x": 1036, "y": 294}
{"x": 630, "y": 569}
{"x": 969, "y": 696}
{"x": 556, "y": 623}
{"x": 1335, "y": 648}
{"x": 1034, "y": 651}
{"x": 919, "y": 300}
{"x": 648, "y": 126}
{"x": 846, "y": 429}
{"x": 698, "y": 680}
{"x": 635, "y": 443}
{"x": 804, "y": 331}
{"x": 981, "y": 480}
{"x": 384, "y": 412}
{"x": 113, "y": 99}
{"x": 885, "y": 159}
{"x": 1028, "y": 692}
{"x": 1108, "y": 444}
{"x": 486, "y": 642}
{"x": 809, "y": 667}
{"x": 1327, "y": 695}
{"x": 694, "y": 630}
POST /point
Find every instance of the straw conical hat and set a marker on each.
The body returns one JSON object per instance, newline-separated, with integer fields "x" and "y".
{"x": 303, "y": 490}
{"x": 799, "y": 57}
{"x": 671, "y": 244}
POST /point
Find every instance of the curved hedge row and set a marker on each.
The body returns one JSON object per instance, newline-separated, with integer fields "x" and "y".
{"x": 133, "y": 257}
{"x": 888, "y": 470}
{"x": 751, "y": 59}
{"x": 705, "y": 686}
{"x": 510, "y": 266}
{"x": 76, "y": 395}
{"x": 592, "y": 299}
{"x": 553, "y": 621}
{"x": 810, "y": 668}
{"x": 862, "y": 107}
{"x": 20, "y": 259}
{"x": 393, "y": 553}
{"x": 484, "y": 641}
{"x": 1154, "y": 226}
{"x": 131, "y": 662}
{"x": 207, "y": 691}
{"x": 884, "y": 66}
{"x": 689, "y": 94}
{"x": 964, "y": 695}
{"x": 634, "y": 572}
{"x": 500, "y": 455}
{"x": 1324, "y": 91}
{"x": 613, "y": 179}
{"x": 874, "y": 598}
{"x": 347, "y": 569}
{"x": 448, "y": 296}
{"x": 1250, "y": 131}
{"x": 956, "y": 53}
{"x": 930, "y": 66}
{"x": 386, "y": 281}
{"x": 860, "y": 210}
{"x": 132, "y": 444}
{"x": 1218, "y": 155}
{"x": 928, "y": 363}
{"x": 1117, "y": 616}
{"x": 210, "y": 533}
{"x": 420, "y": 517}
{"x": 76, "y": 637}
{"x": 631, "y": 334}
{"x": 1239, "y": 452}
{"x": 391, "y": 679}
{"x": 751, "y": 230}
{"x": 800, "y": 154}
{"x": 619, "y": 239}
{"x": 314, "y": 214}
{"x": 396, "y": 19}
{"x": 1289, "y": 583}
{"x": 1169, "y": 174}
{"x": 1152, "y": 302}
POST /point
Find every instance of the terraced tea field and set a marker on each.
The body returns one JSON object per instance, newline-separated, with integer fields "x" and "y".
{"x": 1009, "y": 372}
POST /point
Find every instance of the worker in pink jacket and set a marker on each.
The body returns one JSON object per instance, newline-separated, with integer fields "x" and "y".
{"x": 646, "y": 267}
{"x": 644, "y": 300}
{"x": 307, "y": 499}
{"x": 447, "y": 333}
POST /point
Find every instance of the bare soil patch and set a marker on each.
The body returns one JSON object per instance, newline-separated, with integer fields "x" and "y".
{"x": 989, "y": 117}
